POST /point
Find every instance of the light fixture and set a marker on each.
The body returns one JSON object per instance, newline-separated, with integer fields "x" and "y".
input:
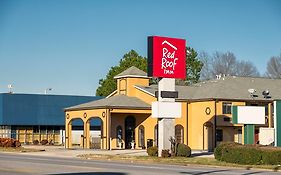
{"x": 48, "y": 89}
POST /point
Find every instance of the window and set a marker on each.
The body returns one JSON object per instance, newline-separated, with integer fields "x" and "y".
{"x": 141, "y": 136}
{"x": 156, "y": 135}
{"x": 179, "y": 133}
{"x": 219, "y": 135}
{"x": 119, "y": 136}
{"x": 226, "y": 108}
{"x": 266, "y": 109}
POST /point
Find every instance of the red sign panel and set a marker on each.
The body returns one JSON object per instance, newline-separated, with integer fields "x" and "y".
{"x": 166, "y": 57}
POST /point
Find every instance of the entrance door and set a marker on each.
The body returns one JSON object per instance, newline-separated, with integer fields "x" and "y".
{"x": 130, "y": 124}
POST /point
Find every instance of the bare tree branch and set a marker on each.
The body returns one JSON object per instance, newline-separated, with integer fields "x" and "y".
{"x": 274, "y": 67}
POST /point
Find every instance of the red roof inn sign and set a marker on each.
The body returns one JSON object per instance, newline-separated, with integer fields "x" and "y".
{"x": 166, "y": 57}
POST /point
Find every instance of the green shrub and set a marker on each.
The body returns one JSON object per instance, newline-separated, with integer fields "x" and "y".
{"x": 165, "y": 153}
{"x": 271, "y": 156}
{"x": 248, "y": 154}
{"x": 239, "y": 154}
{"x": 221, "y": 146}
{"x": 152, "y": 151}
{"x": 183, "y": 150}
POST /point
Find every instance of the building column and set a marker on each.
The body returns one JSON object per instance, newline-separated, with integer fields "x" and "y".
{"x": 108, "y": 130}
{"x": 270, "y": 119}
{"x": 249, "y": 136}
{"x": 68, "y": 132}
{"x": 87, "y": 140}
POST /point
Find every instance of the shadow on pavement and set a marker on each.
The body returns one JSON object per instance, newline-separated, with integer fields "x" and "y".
{"x": 91, "y": 173}
{"x": 201, "y": 154}
{"x": 204, "y": 172}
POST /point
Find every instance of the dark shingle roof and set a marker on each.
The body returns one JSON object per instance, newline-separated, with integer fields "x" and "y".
{"x": 230, "y": 87}
{"x": 132, "y": 72}
{"x": 117, "y": 102}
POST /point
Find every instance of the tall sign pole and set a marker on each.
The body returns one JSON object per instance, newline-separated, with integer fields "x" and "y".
{"x": 167, "y": 61}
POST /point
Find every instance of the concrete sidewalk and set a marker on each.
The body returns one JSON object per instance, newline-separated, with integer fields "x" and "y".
{"x": 62, "y": 152}
{"x": 74, "y": 152}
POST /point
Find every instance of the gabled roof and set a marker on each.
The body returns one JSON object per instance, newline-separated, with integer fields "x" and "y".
{"x": 116, "y": 102}
{"x": 228, "y": 88}
{"x": 132, "y": 72}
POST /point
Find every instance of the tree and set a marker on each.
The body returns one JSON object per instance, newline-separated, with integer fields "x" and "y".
{"x": 132, "y": 58}
{"x": 204, "y": 57}
{"x": 246, "y": 69}
{"x": 108, "y": 85}
{"x": 273, "y": 69}
{"x": 193, "y": 66}
{"x": 225, "y": 64}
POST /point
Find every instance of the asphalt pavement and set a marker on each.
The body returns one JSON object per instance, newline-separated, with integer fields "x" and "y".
{"x": 22, "y": 164}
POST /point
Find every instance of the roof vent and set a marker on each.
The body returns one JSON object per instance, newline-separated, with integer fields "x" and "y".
{"x": 265, "y": 94}
{"x": 252, "y": 92}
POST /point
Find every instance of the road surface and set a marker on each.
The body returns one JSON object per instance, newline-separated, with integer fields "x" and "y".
{"x": 22, "y": 164}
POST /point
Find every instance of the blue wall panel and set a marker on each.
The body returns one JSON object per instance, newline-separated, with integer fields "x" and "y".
{"x": 33, "y": 109}
{"x": 1, "y": 108}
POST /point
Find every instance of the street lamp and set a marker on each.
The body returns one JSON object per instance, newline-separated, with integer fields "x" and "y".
{"x": 48, "y": 89}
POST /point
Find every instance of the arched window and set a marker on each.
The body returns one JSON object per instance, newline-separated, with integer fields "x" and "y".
{"x": 119, "y": 136}
{"x": 141, "y": 136}
{"x": 179, "y": 133}
{"x": 156, "y": 135}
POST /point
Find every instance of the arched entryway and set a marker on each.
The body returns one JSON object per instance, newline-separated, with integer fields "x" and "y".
{"x": 77, "y": 132}
{"x": 208, "y": 136}
{"x": 130, "y": 125}
{"x": 96, "y": 132}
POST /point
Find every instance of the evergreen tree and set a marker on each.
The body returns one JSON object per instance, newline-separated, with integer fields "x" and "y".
{"x": 132, "y": 58}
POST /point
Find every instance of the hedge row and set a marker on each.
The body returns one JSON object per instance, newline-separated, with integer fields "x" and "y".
{"x": 248, "y": 154}
{"x": 9, "y": 142}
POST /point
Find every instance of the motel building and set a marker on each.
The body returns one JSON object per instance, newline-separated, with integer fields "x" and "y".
{"x": 206, "y": 120}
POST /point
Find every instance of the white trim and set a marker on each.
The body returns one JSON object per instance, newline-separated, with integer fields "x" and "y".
{"x": 174, "y": 47}
{"x": 111, "y": 94}
{"x": 132, "y": 76}
{"x": 139, "y": 88}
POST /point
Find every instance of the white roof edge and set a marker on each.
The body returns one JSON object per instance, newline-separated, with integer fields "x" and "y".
{"x": 111, "y": 94}
{"x": 134, "y": 76}
{"x": 139, "y": 88}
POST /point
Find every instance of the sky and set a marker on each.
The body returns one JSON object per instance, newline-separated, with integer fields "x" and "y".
{"x": 68, "y": 45}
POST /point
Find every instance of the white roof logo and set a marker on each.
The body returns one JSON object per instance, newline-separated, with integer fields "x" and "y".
{"x": 166, "y": 42}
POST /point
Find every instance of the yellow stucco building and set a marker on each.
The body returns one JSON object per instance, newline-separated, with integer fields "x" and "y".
{"x": 126, "y": 120}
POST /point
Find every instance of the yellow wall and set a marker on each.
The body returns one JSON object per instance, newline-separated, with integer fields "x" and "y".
{"x": 196, "y": 119}
{"x": 183, "y": 121}
{"x": 125, "y": 86}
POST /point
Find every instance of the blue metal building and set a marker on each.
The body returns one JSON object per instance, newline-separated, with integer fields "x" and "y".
{"x": 29, "y": 117}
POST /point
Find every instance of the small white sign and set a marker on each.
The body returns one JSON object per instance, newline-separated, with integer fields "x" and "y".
{"x": 251, "y": 114}
{"x": 266, "y": 136}
{"x": 166, "y": 109}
